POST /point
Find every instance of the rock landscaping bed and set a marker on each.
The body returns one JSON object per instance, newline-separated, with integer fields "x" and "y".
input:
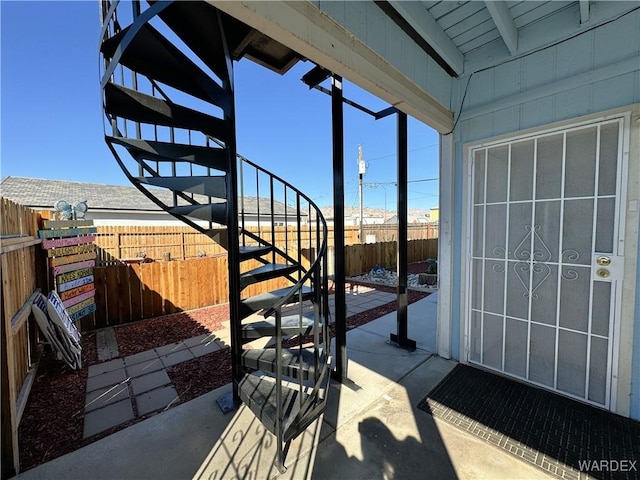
{"x": 417, "y": 278}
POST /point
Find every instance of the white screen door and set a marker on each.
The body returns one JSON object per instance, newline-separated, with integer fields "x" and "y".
{"x": 545, "y": 267}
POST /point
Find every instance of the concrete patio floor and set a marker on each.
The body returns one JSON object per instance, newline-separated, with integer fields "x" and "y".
{"x": 370, "y": 429}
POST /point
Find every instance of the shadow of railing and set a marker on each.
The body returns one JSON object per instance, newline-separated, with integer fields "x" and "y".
{"x": 370, "y": 427}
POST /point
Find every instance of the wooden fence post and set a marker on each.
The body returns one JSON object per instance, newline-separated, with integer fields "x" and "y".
{"x": 10, "y": 457}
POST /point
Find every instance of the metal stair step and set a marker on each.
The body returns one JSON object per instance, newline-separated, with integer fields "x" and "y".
{"x": 196, "y": 23}
{"x": 211, "y": 186}
{"x": 126, "y": 103}
{"x": 212, "y": 212}
{"x": 269, "y": 299}
{"x": 295, "y": 362}
{"x": 248, "y": 252}
{"x": 152, "y": 55}
{"x": 219, "y": 236}
{"x": 290, "y": 325}
{"x": 216, "y": 158}
{"x": 258, "y": 391}
{"x": 265, "y": 272}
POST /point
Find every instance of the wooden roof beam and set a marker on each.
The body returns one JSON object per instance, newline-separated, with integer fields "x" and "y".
{"x": 501, "y": 16}
{"x": 584, "y": 11}
{"x": 428, "y": 28}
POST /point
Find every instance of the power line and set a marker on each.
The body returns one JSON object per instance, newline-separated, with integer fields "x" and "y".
{"x": 395, "y": 154}
{"x": 375, "y": 184}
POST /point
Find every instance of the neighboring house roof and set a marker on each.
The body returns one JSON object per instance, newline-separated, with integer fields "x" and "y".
{"x": 43, "y": 194}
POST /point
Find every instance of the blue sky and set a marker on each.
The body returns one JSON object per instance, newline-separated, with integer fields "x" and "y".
{"x": 51, "y": 119}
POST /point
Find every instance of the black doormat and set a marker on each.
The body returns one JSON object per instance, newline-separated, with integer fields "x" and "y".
{"x": 559, "y": 435}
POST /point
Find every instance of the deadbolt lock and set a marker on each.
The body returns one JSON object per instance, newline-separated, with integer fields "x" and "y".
{"x": 603, "y": 273}
{"x": 603, "y": 261}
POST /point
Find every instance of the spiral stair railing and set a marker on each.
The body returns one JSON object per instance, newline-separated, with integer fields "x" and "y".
{"x": 168, "y": 103}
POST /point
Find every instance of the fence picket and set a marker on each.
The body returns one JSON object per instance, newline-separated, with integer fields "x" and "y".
{"x": 136, "y": 291}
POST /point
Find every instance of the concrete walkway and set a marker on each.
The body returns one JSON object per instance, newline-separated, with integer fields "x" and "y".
{"x": 371, "y": 428}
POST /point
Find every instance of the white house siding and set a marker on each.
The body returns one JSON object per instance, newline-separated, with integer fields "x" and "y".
{"x": 591, "y": 73}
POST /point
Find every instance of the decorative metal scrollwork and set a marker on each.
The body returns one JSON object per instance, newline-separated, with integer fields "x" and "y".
{"x": 571, "y": 255}
{"x": 570, "y": 275}
{"x": 522, "y": 270}
{"x": 534, "y": 261}
{"x": 522, "y": 253}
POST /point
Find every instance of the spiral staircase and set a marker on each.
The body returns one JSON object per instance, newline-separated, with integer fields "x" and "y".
{"x": 168, "y": 101}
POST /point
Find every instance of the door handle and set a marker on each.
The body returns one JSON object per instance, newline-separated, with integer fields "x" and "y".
{"x": 603, "y": 261}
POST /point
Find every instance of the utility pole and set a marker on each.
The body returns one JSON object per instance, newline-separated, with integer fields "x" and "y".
{"x": 361, "y": 171}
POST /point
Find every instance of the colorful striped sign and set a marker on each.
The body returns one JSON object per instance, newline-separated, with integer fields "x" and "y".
{"x": 83, "y": 313}
{"x": 66, "y": 242}
{"x": 80, "y": 298}
{"x": 63, "y": 287}
{"x": 74, "y": 292}
{"x": 59, "y": 252}
{"x": 81, "y": 305}
{"x": 73, "y": 266}
{"x": 66, "y": 232}
{"x": 66, "y": 223}
{"x": 72, "y": 259}
{"x": 67, "y": 277}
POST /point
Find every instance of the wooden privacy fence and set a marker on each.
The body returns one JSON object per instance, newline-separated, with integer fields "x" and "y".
{"x": 127, "y": 293}
{"x": 179, "y": 243}
{"x": 19, "y": 350}
{"x": 389, "y": 233}
{"x": 362, "y": 258}
{"x": 126, "y": 242}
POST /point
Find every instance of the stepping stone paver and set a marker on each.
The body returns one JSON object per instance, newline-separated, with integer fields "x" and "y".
{"x": 156, "y": 399}
{"x": 145, "y": 368}
{"x": 105, "y": 367}
{"x": 199, "y": 340}
{"x": 105, "y": 418}
{"x": 149, "y": 382}
{"x": 206, "y": 348}
{"x": 176, "y": 358}
{"x": 140, "y": 357}
{"x": 106, "y": 379}
{"x": 106, "y": 396}
{"x": 170, "y": 348}
{"x": 106, "y": 343}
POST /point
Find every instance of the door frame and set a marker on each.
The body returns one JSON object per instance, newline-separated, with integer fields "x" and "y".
{"x": 619, "y": 375}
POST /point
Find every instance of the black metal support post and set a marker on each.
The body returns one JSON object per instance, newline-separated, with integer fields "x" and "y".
{"x": 400, "y": 338}
{"x": 229, "y": 402}
{"x": 337, "y": 125}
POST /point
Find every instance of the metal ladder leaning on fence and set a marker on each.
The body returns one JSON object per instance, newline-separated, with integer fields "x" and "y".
{"x": 168, "y": 101}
